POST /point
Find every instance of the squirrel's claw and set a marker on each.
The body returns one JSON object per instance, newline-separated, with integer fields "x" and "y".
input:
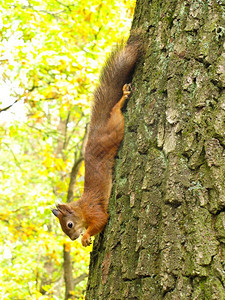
{"x": 86, "y": 240}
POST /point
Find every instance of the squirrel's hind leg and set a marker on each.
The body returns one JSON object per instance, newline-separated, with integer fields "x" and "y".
{"x": 115, "y": 125}
{"x": 126, "y": 94}
{"x": 116, "y": 114}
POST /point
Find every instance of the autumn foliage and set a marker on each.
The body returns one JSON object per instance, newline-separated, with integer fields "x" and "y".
{"x": 51, "y": 55}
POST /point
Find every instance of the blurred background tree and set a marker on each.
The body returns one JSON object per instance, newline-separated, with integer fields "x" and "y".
{"x": 51, "y": 55}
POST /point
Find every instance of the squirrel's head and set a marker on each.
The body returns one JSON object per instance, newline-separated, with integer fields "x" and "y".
{"x": 70, "y": 220}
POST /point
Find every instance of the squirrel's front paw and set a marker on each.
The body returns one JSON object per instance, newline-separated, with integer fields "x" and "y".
{"x": 86, "y": 240}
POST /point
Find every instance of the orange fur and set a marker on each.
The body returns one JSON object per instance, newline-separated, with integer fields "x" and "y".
{"x": 105, "y": 135}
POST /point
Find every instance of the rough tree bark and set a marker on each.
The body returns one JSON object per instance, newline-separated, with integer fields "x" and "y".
{"x": 165, "y": 238}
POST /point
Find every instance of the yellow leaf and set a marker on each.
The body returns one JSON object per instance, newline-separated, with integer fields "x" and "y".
{"x": 72, "y": 293}
{"x": 67, "y": 246}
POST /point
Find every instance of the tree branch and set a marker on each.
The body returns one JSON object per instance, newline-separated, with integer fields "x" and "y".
{"x": 80, "y": 278}
{"x": 53, "y": 14}
{"x": 14, "y": 156}
{"x": 75, "y": 169}
{"x": 8, "y": 107}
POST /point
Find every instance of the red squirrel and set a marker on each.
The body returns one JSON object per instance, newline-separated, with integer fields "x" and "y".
{"x": 106, "y": 131}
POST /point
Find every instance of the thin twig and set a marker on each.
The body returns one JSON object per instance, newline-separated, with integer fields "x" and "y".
{"x": 8, "y": 107}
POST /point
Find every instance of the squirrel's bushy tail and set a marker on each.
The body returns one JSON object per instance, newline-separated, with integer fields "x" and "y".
{"x": 117, "y": 71}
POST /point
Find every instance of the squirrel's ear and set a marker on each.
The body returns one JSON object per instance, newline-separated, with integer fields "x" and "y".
{"x": 64, "y": 208}
{"x": 55, "y": 212}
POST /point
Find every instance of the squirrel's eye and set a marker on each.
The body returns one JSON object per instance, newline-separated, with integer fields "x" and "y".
{"x": 70, "y": 224}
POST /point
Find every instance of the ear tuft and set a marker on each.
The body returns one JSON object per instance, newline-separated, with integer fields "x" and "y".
{"x": 55, "y": 212}
{"x": 64, "y": 208}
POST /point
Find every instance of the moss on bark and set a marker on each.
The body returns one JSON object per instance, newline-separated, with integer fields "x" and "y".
{"x": 165, "y": 238}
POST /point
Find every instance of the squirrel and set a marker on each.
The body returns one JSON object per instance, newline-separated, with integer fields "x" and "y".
{"x": 106, "y": 131}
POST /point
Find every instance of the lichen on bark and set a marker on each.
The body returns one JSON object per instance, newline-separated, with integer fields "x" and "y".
{"x": 165, "y": 238}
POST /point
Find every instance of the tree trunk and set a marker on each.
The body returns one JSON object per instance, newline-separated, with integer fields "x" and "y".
{"x": 67, "y": 265}
{"x": 68, "y": 274}
{"x": 165, "y": 238}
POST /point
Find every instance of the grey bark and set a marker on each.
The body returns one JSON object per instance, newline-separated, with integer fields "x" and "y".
{"x": 165, "y": 238}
